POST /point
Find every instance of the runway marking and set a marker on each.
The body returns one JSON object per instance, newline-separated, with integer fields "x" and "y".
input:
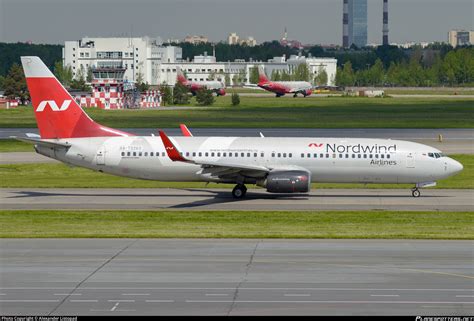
{"x": 159, "y": 301}
{"x": 121, "y": 300}
{"x": 115, "y": 306}
{"x": 83, "y": 301}
{"x": 464, "y": 296}
{"x": 296, "y": 294}
{"x": 29, "y": 301}
{"x": 396, "y": 295}
{"x": 117, "y": 310}
{"x": 443, "y": 273}
{"x": 135, "y": 293}
{"x": 217, "y": 294}
{"x": 347, "y": 302}
{"x": 231, "y": 288}
{"x": 67, "y": 294}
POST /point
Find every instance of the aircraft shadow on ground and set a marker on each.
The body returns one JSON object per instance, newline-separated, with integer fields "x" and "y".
{"x": 213, "y": 197}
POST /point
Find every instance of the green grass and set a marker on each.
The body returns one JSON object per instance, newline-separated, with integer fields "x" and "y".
{"x": 12, "y": 145}
{"x": 436, "y": 91}
{"x": 286, "y": 112}
{"x": 63, "y": 176}
{"x": 236, "y": 224}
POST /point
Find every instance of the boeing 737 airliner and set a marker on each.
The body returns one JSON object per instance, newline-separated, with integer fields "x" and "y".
{"x": 280, "y": 165}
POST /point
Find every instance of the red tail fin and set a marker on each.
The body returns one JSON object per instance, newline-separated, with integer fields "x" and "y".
{"x": 261, "y": 75}
{"x": 181, "y": 78}
{"x": 57, "y": 113}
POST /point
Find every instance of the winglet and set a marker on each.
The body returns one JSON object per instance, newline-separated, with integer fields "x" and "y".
{"x": 185, "y": 130}
{"x": 171, "y": 150}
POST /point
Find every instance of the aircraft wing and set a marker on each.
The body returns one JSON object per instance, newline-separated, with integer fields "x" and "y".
{"x": 217, "y": 169}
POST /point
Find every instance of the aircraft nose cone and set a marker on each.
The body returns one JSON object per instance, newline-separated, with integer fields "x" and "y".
{"x": 455, "y": 166}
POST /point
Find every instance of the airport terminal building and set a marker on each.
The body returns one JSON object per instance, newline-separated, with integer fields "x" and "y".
{"x": 146, "y": 59}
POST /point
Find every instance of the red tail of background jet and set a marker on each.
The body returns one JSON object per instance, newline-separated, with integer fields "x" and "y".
{"x": 262, "y": 78}
{"x": 181, "y": 78}
{"x": 57, "y": 113}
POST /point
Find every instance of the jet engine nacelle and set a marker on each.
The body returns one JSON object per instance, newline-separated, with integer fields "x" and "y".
{"x": 287, "y": 182}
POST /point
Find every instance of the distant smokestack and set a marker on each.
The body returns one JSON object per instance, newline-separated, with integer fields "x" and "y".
{"x": 345, "y": 24}
{"x": 385, "y": 23}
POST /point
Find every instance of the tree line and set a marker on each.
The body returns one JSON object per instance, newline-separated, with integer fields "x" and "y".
{"x": 456, "y": 68}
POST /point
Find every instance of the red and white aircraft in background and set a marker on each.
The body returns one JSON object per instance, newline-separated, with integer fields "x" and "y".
{"x": 281, "y": 165}
{"x": 280, "y": 88}
{"x": 193, "y": 86}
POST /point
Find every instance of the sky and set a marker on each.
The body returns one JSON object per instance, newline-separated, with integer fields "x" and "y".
{"x": 309, "y": 21}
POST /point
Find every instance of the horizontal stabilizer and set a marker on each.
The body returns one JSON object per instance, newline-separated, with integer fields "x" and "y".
{"x": 42, "y": 142}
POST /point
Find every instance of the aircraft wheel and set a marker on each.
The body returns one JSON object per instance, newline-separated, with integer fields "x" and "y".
{"x": 415, "y": 192}
{"x": 239, "y": 191}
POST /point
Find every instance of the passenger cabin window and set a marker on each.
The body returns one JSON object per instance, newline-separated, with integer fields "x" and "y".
{"x": 123, "y": 153}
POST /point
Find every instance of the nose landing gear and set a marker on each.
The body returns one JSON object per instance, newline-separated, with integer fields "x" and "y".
{"x": 239, "y": 191}
{"x": 415, "y": 192}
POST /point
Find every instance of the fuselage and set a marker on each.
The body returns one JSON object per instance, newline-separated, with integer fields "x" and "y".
{"x": 215, "y": 86}
{"x": 287, "y": 87}
{"x": 336, "y": 160}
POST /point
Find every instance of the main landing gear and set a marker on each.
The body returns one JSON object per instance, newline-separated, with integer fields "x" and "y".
{"x": 239, "y": 191}
{"x": 415, "y": 192}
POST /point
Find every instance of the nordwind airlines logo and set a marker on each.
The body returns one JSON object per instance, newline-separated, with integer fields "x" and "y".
{"x": 315, "y": 145}
{"x": 52, "y": 104}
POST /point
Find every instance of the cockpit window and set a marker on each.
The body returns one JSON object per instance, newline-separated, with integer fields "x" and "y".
{"x": 436, "y": 155}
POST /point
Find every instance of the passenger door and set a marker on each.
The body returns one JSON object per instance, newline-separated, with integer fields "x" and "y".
{"x": 410, "y": 160}
{"x": 100, "y": 156}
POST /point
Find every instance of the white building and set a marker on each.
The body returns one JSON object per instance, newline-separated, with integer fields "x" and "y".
{"x": 196, "y": 39}
{"x": 137, "y": 55}
{"x": 203, "y": 67}
{"x": 233, "y": 39}
{"x": 157, "y": 64}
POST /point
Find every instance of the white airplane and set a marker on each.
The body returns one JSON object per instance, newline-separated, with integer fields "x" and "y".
{"x": 281, "y": 165}
{"x": 281, "y": 88}
{"x": 193, "y": 86}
